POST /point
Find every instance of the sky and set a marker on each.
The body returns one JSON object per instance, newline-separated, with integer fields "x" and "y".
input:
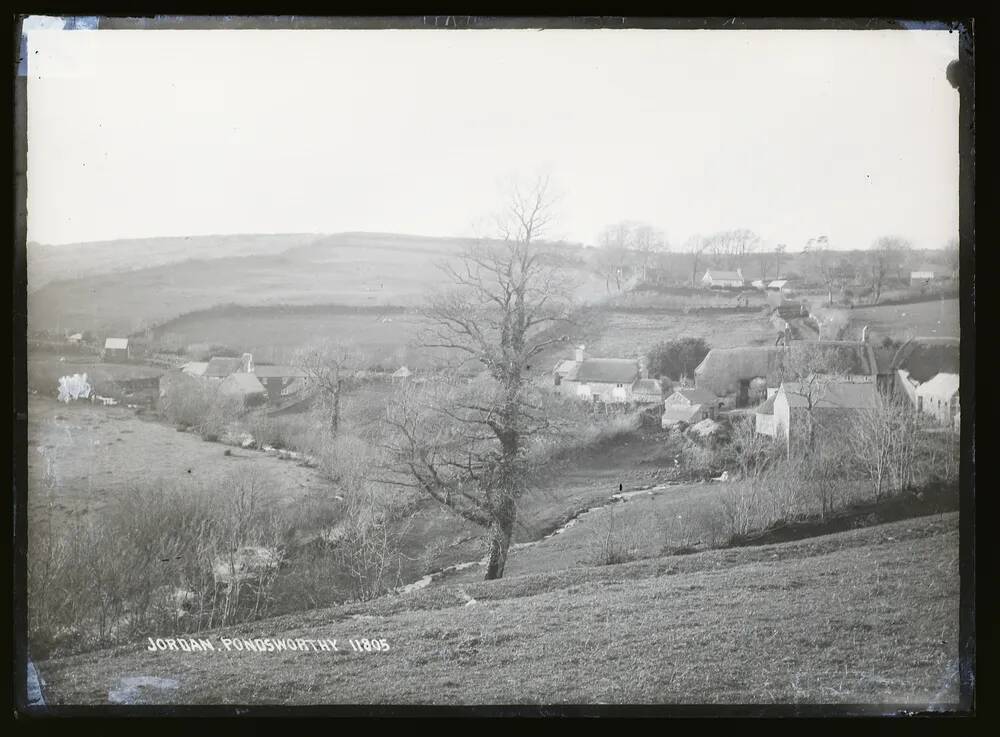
{"x": 792, "y": 134}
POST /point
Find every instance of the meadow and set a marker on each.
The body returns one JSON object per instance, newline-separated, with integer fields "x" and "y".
{"x": 824, "y": 621}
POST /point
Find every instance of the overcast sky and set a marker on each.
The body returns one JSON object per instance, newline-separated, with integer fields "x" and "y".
{"x": 793, "y": 134}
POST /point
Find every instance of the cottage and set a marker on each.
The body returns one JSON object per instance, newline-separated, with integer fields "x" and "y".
{"x": 716, "y": 279}
{"x": 195, "y": 368}
{"x": 921, "y": 359}
{"x": 245, "y": 386}
{"x": 731, "y": 371}
{"x": 279, "y": 380}
{"x": 690, "y": 405}
{"x": 117, "y": 349}
{"x": 921, "y": 278}
{"x": 832, "y": 406}
{"x": 219, "y": 367}
{"x": 75, "y": 338}
{"x": 779, "y": 285}
{"x": 938, "y": 398}
{"x": 609, "y": 380}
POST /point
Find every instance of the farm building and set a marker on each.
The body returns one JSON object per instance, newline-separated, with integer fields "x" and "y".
{"x": 647, "y": 391}
{"x": 716, "y": 279}
{"x": 779, "y": 285}
{"x": 690, "y": 405}
{"x": 401, "y": 374}
{"x": 764, "y": 416}
{"x": 832, "y": 406}
{"x": 730, "y": 371}
{"x": 758, "y": 284}
{"x": 921, "y": 278}
{"x": 75, "y": 338}
{"x": 919, "y": 360}
{"x": 609, "y": 380}
{"x": 117, "y": 349}
{"x": 195, "y": 368}
{"x": 278, "y": 380}
{"x": 245, "y": 386}
{"x": 219, "y": 367}
{"x": 938, "y": 398}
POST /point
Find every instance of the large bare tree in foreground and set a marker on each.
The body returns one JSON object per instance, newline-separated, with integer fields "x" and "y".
{"x": 462, "y": 440}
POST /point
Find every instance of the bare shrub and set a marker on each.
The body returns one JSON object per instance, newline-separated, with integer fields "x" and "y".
{"x": 618, "y": 543}
{"x": 885, "y": 442}
{"x": 742, "y": 509}
{"x": 753, "y": 452}
{"x": 367, "y": 546}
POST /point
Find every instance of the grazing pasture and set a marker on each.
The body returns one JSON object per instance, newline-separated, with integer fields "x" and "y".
{"x": 937, "y": 318}
{"x": 92, "y": 452}
{"x": 822, "y": 621}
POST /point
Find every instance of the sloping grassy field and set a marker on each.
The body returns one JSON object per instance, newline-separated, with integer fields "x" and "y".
{"x": 867, "y": 616}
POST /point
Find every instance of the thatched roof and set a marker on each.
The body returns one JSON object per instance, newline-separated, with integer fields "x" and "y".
{"x": 924, "y": 358}
{"x": 841, "y": 394}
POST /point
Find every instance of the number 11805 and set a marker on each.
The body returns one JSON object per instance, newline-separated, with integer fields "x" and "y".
{"x": 365, "y": 645}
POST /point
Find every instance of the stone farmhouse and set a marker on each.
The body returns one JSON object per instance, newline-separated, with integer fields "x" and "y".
{"x": 608, "y": 380}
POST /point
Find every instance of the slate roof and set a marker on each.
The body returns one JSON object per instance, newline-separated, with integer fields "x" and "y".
{"x": 268, "y": 371}
{"x": 717, "y": 275}
{"x": 696, "y": 396}
{"x": 195, "y": 368}
{"x": 242, "y": 384}
{"x": 843, "y": 394}
{"x": 767, "y": 408}
{"x": 606, "y": 370}
{"x": 677, "y": 413}
{"x": 222, "y": 366}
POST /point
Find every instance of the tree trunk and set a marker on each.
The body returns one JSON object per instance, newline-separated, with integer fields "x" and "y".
{"x": 335, "y": 412}
{"x": 498, "y": 537}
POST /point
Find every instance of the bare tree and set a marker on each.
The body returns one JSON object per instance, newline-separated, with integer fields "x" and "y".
{"x": 730, "y": 248}
{"x": 696, "y": 245}
{"x": 647, "y": 241}
{"x": 885, "y": 257}
{"x": 808, "y": 370}
{"x": 333, "y": 369}
{"x": 611, "y": 262}
{"x": 463, "y": 440}
{"x": 779, "y": 252}
{"x": 884, "y": 443}
{"x": 821, "y": 264}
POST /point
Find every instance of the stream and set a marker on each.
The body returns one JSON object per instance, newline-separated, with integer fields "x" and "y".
{"x": 619, "y": 498}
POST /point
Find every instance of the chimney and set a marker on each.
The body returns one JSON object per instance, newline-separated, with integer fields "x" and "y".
{"x": 579, "y": 352}
{"x": 643, "y": 368}
{"x": 247, "y": 366}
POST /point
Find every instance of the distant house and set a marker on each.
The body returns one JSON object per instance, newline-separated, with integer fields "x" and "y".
{"x": 919, "y": 360}
{"x": 279, "y": 380}
{"x": 608, "y": 380}
{"x": 75, "y": 338}
{"x": 921, "y": 278}
{"x": 245, "y": 386}
{"x": 647, "y": 391}
{"x": 779, "y": 285}
{"x": 195, "y": 368}
{"x": 690, "y": 405}
{"x": 401, "y": 374}
{"x": 758, "y": 284}
{"x": 716, "y": 279}
{"x": 938, "y": 397}
{"x": 117, "y": 349}
{"x": 833, "y": 406}
{"x": 219, "y": 367}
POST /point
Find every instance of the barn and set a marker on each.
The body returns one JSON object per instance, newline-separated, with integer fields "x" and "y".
{"x": 245, "y": 386}
{"x": 690, "y": 405}
{"x": 117, "y": 349}
{"x": 832, "y": 408}
{"x": 716, "y": 279}
{"x": 278, "y": 379}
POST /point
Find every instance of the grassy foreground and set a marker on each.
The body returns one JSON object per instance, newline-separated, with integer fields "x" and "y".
{"x": 867, "y": 616}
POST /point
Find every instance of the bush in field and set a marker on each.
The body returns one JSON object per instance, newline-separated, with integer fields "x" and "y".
{"x": 886, "y": 443}
{"x": 367, "y": 545}
{"x": 752, "y": 451}
{"x": 189, "y": 402}
{"x": 677, "y": 358}
{"x": 157, "y": 559}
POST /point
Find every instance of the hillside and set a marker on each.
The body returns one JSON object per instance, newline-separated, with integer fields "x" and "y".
{"x": 352, "y": 269}
{"x": 825, "y": 620}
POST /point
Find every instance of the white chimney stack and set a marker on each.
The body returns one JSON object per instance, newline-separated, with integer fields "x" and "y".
{"x": 579, "y": 352}
{"x": 247, "y": 363}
